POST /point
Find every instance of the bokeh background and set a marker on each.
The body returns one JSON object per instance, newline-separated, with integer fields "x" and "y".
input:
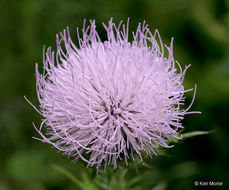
{"x": 201, "y": 32}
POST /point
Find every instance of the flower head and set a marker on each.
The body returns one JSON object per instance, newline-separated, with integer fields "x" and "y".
{"x": 104, "y": 101}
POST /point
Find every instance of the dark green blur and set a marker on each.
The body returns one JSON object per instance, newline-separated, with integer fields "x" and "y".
{"x": 201, "y": 32}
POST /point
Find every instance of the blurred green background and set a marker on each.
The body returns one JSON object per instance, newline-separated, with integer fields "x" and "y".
{"x": 201, "y": 32}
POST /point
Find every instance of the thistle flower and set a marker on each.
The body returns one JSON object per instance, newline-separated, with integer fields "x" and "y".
{"x": 111, "y": 100}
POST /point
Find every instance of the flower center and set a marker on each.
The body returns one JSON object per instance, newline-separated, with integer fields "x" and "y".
{"x": 117, "y": 110}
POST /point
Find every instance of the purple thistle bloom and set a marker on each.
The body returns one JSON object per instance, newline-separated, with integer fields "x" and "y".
{"x": 109, "y": 100}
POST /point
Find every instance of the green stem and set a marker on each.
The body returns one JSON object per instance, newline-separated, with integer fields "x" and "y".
{"x": 67, "y": 174}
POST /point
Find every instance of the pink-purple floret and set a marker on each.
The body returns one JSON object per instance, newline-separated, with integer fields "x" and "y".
{"x": 108, "y": 101}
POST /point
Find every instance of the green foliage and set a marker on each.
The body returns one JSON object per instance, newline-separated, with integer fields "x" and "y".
{"x": 200, "y": 29}
{"x": 188, "y": 135}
